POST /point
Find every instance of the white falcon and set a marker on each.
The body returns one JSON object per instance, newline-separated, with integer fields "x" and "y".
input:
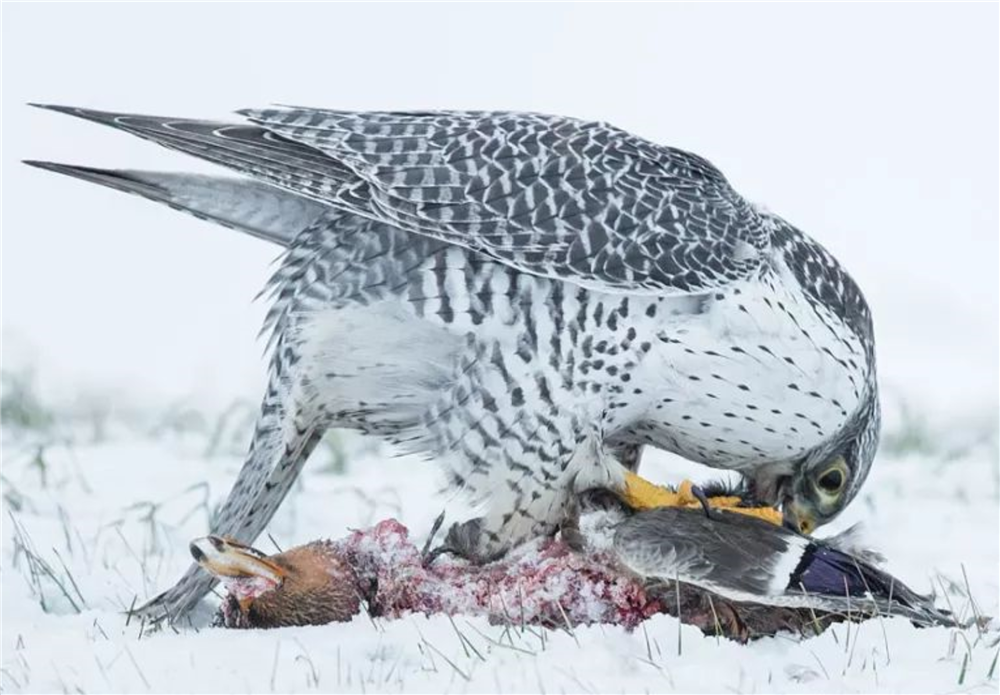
{"x": 528, "y": 300}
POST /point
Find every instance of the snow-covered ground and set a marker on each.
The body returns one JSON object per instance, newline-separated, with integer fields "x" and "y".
{"x": 110, "y": 520}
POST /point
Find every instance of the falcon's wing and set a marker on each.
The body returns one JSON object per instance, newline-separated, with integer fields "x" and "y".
{"x": 548, "y": 195}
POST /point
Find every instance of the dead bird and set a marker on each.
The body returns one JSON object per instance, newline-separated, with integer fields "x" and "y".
{"x": 544, "y": 582}
{"x": 727, "y": 573}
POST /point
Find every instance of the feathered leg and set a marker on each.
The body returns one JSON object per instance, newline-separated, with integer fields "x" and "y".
{"x": 516, "y": 444}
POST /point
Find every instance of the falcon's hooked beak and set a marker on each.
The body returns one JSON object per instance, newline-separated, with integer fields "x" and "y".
{"x": 797, "y": 517}
{"x": 776, "y": 485}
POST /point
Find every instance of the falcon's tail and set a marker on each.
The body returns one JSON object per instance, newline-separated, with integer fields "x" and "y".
{"x": 248, "y": 206}
{"x": 247, "y": 149}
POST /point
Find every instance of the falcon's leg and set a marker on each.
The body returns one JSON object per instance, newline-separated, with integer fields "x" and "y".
{"x": 569, "y": 527}
{"x": 463, "y": 540}
{"x": 511, "y": 440}
{"x": 285, "y": 435}
{"x": 639, "y": 494}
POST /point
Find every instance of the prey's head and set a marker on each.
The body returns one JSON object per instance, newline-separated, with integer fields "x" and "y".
{"x": 814, "y": 490}
{"x": 247, "y": 573}
{"x": 307, "y": 585}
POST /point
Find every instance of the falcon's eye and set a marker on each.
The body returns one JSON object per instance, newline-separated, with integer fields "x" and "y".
{"x": 831, "y": 481}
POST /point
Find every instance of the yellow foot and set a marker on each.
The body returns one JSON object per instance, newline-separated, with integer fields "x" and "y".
{"x": 639, "y": 493}
{"x": 768, "y": 514}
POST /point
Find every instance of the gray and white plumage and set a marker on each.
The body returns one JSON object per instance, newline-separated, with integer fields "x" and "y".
{"x": 745, "y": 559}
{"x": 523, "y": 298}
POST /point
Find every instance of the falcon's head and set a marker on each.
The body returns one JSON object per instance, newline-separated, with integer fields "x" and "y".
{"x": 819, "y": 486}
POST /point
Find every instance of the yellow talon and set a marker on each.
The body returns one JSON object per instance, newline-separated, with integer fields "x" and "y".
{"x": 723, "y": 502}
{"x": 768, "y": 514}
{"x": 639, "y": 493}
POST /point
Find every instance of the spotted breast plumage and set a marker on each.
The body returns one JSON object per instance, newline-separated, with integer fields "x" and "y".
{"x": 528, "y": 300}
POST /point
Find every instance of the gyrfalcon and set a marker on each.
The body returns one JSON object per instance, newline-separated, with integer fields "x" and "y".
{"x": 528, "y": 300}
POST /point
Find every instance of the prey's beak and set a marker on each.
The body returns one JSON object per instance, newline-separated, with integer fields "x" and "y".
{"x": 797, "y": 518}
{"x": 227, "y": 559}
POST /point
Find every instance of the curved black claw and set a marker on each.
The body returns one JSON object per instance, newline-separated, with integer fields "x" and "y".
{"x": 462, "y": 540}
{"x": 709, "y": 510}
{"x": 435, "y": 527}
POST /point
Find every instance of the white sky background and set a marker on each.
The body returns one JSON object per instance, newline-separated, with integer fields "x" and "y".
{"x": 874, "y": 128}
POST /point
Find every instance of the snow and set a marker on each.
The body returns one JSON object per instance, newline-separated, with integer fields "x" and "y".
{"x": 113, "y": 520}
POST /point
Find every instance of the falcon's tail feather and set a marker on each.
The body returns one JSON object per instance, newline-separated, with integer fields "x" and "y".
{"x": 247, "y": 149}
{"x": 257, "y": 209}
